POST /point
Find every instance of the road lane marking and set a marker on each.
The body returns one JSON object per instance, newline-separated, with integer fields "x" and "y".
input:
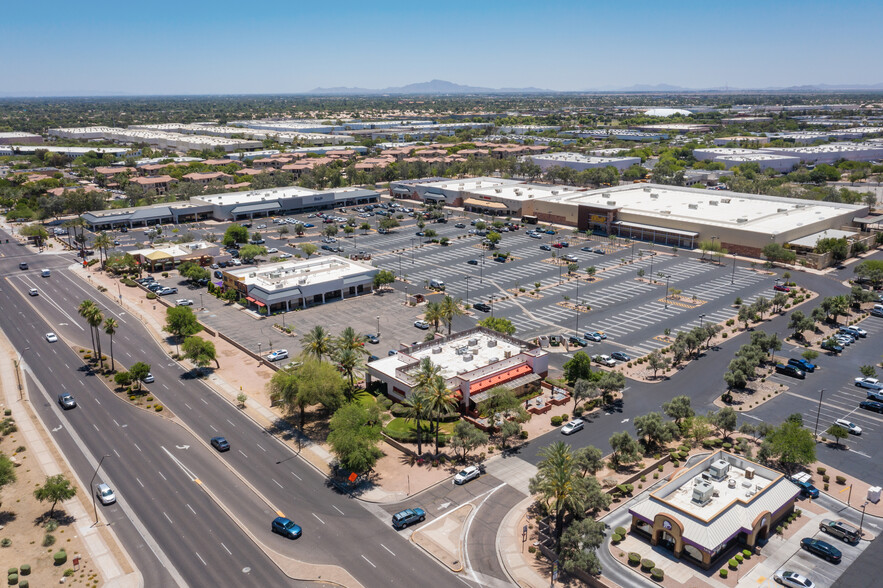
{"x": 140, "y": 482}
{"x": 163, "y": 477}
{"x": 337, "y": 509}
{"x": 387, "y": 548}
{"x": 116, "y": 423}
{"x": 296, "y": 476}
{"x": 471, "y": 518}
{"x": 261, "y": 446}
{"x": 369, "y": 561}
{"x": 231, "y": 422}
{"x": 213, "y": 428}
{"x": 277, "y": 483}
{"x": 127, "y": 353}
{"x": 227, "y": 550}
{"x": 96, "y": 400}
{"x": 191, "y": 509}
{"x": 96, "y": 427}
{"x": 167, "y": 518}
{"x": 318, "y": 519}
{"x": 136, "y": 446}
{"x": 190, "y": 474}
{"x": 203, "y": 401}
{"x": 164, "y": 386}
{"x": 116, "y": 452}
{"x": 243, "y": 455}
{"x": 200, "y": 558}
{"x": 188, "y": 406}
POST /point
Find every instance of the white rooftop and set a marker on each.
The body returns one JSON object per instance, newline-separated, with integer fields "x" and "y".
{"x": 578, "y": 157}
{"x": 526, "y": 191}
{"x": 470, "y": 184}
{"x": 273, "y": 277}
{"x": 256, "y": 196}
{"x": 465, "y": 354}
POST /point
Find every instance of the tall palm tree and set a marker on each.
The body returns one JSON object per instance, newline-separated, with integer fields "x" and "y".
{"x": 102, "y": 243}
{"x": 317, "y": 343}
{"x": 417, "y": 408}
{"x": 84, "y": 310}
{"x": 425, "y": 374}
{"x": 348, "y": 360}
{"x": 440, "y": 402}
{"x": 434, "y": 314}
{"x": 451, "y": 307}
{"x": 350, "y": 340}
{"x": 95, "y": 317}
{"x": 110, "y": 327}
{"x": 560, "y": 482}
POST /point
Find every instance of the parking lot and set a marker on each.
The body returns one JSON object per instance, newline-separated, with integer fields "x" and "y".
{"x": 633, "y": 313}
{"x": 823, "y": 573}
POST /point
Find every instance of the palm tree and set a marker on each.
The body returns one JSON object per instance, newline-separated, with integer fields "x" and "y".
{"x": 84, "y": 310}
{"x": 417, "y": 408}
{"x": 95, "y": 317}
{"x": 451, "y": 307}
{"x": 350, "y": 340}
{"x": 440, "y": 402}
{"x": 110, "y": 327}
{"x": 102, "y": 243}
{"x": 348, "y": 360}
{"x": 559, "y": 481}
{"x": 434, "y": 314}
{"x": 317, "y": 343}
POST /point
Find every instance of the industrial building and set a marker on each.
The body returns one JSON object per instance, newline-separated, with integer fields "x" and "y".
{"x": 684, "y": 217}
{"x": 581, "y": 162}
{"x": 827, "y": 153}
{"x": 721, "y": 502}
{"x": 450, "y": 192}
{"x": 260, "y": 135}
{"x": 160, "y": 139}
{"x": 72, "y": 152}
{"x": 298, "y": 283}
{"x": 620, "y": 134}
{"x": 472, "y": 362}
{"x": 19, "y": 138}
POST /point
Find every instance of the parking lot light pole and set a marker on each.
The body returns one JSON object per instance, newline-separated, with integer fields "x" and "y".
{"x": 378, "y": 325}
{"x": 819, "y": 412}
{"x": 94, "y": 505}
{"x": 576, "y": 329}
{"x": 467, "y": 289}
{"x": 400, "y": 264}
{"x": 862, "y": 521}
{"x": 733, "y": 277}
{"x": 701, "y": 317}
{"x": 412, "y": 250}
{"x": 666, "y": 289}
{"x": 259, "y": 349}
{"x": 201, "y": 307}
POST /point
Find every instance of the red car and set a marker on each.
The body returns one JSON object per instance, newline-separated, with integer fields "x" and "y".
{"x": 557, "y": 245}
{"x": 781, "y": 288}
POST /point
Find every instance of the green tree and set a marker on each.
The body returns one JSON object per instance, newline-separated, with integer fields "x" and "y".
{"x": 200, "y": 351}
{"x": 7, "y": 471}
{"x": 317, "y": 343}
{"x": 417, "y": 410}
{"x": 383, "y": 278}
{"x": 699, "y": 429}
{"x": 434, "y": 314}
{"x": 354, "y": 434}
{"x": 122, "y": 379}
{"x": 790, "y": 444}
{"x": 654, "y": 430}
{"x": 838, "y": 433}
{"x": 579, "y": 544}
{"x": 746, "y": 315}
{"x": 810, "y": 355}
{"x": 839, "y": 248}
{"x": 440, "y": 401}
{"x": 388, "y": 223}
{"x": 139, "y": 371}
{"x": 498, "y": 324}
{"x": 87, "y": 310}
{"x": 508, "y": 429}
{"x": 251, "y": 252}
{"x": 610, "y": 382}
{"x": 36, "y": 233}
{"x": 235, "y": 234}
{"x": 724, "y": 421}
{"x": 657, "y": 362}
{"x": 626, "y": 449}
{"x": 308, "y": 249}
{"x": 868, "y": 371}
{"x": 559, "y": 483}
{"x": 678, "y": 408}
{"x": 870, "y": 270}
{"x": 589, "y": 460}
{"x": 584, "y": 390}
{"x": 54, "y": 489}
{"x": 467, "y": 437}
{"x": 494, "y": 237}
{"x": 776, "y": 253}
{"x": 799, "y": 323}
{"x": 181, "y": 322}
{"x": 451, "y": 308}
{"x": 578, "y": 367}
{"x": 110, "y": 328}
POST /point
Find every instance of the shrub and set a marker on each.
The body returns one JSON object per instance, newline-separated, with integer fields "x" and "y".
{"x": 657, "y": 574}
{"x": 556, "y": 421}
{"x": 634, "y": 559}
{"x": 733, "y": 564}
{"x": 578, "y": 412}
{"x": 24, "y": 584}
{"x": 60, "y": 557}
{"x": 739, "y": 558}
{"x": 684, "y": 448}
{"x": 727, "y": 446}
{"x": 12, "y": 571}
{"x": 779, "y": 530}
{"x": 675, "y": 463}
{"x": 158, "y": 408}
{"x": 643, "y": 478}
{"x": 724, "y": 572}
{"x": 150, "y": 296}
{"x": 25, "y": 570}
{"x": 659, "y": 467}
{"x": 12, "y": 579}
{"x": 398, "y": 410}
{"x": 655, "y": 475}
{"x": 826, "y": 487}
{"x": 616, "y": 538}
{"x": 48, "y": 540}
{"x": 746, "y": 553}
{"x": 6, "y": 542}
{"x": 523, "y": 434}
{"x": 841, "y": 480}
{"x": 826, "y": 478}
{"x": 683, "y": 454}
{"x": 647, "y": 565}
{"x": 620, "y": 531}
{"x": 7, "y": 412}
{"x": 821, "y": 471}
{"x": 724, "y": 335}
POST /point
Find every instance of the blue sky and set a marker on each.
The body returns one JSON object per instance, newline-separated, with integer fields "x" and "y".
{"x": 59, "y": 47}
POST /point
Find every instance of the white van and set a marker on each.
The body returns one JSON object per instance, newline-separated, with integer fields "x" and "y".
{"x": 45, "y": 273}
{"x": 437, "y": 284}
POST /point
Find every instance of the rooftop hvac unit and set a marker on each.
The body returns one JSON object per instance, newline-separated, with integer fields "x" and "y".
{"x": 473, "y": 342}
{"x": 781, "y": 210}
{"x": 702, "y": 492}
{"x": 742, "y": 220}
{"x": 693, "y": 206}
{"x": 718, "y": 469}
{"x": 554, "y": 192}
{"x": 467, "y": 357}
{"x": 436, "y": 350}
{"x": 507, "y": 354}
{"x": 498, "y": 190}
{"x": 492, "y": 343}
{"x": 646, "y": 189}
{"x": 494, "y": 360}
{"x": 654, "y": 196}
{"x": 731, "y": 484}
{"x": 725, "y": 200}
{"x": 606, "y": 194}
{"x": 713, "y": 202}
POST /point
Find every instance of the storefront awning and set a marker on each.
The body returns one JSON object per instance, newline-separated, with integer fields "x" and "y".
{"x": 499, "y": 379}
{"x": 250, "y": 299}
{"x": 651, "y": 228}
{"x": 484, "y": 204}
{"x": 259, "y": 303}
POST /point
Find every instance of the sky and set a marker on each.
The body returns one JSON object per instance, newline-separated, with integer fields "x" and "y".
{"x": 97, "y": 47}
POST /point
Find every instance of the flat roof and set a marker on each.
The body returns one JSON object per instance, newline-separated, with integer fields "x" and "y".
{"x": 256, "y": 196}
{"x": 273, "y": 277}
{"x": 751, "y": 212}
{"x": 810, "y": 241}
{"x": 467, "y": 184}
{"x": 525, "y": 191}
{"x": 579, "y": 158}
{"x": 484, "y": 348}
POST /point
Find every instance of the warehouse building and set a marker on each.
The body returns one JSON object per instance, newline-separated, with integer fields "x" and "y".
{"x": 19, "y": 138}
{"x": 684, "y": 217}
{"x": 581, "y": 162}
{"x": 778, "y": 163}
{"x": 620, "y": 134}
{"x": 472, "y": 362}
{"x": 294, "y": 284}
{"x": 721, "y": 502}
{"x": 260, "y": 135}
{"x": 828, "y": 153}
{"x": 160, "y": 139}
{"x": 508, "y": 199}
{"x": 444, "y": 190}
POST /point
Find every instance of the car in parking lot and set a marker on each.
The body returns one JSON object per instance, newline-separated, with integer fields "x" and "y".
{"x": 594, "y": 336}
{"x": 604, "y": 360}
{"x": 589, "y": 249}
{"x": 574, "y": 340}
{"x": 467, "y": 474}
{"x": 421, "y": 324}
{"x": 482, "y": 307}
{"x": 832, "y": 345}
{"x": 843, "y": 531}
{"x": 51, "y": 337}
{"x": 570, "y": 258}
{"x": 218, "y": 274}
{"x": 849, "y": 426}
{"x": 220, "y": 443}
{"x": 599, "y": 251}
{"x": 272, "y": 250}
{"x": 183, "y": 302}
{"x": 66, "y": 400}
{"x": 407, "y": 517}
{"x": 166, "y": 290}
{"x": 34, "y": 292}
{"x": 472, "y": 262}
{"x": 821, "y": 548}
{"x": 854, "y": 332}
{"x": 877, "y": 312}
{"x": 309, "y": 225}
{"x": 620, "y": 356}
{"x": 573, "y": 426}
{"x": 546, "y": 247}
{"x": 781, "y": 288}
{"x": 277, "y": 355}
{"x": 792, "y": 579}
{"x": 871, "y": 405}
{"x": 534, "y": 235}
{"x": 869, "y": 383}
{"x": 372, "y": 338}
{"x": 286, "y": 527}
{"x": 802, "y": 364}
{"x": 460, "y": 226}
{"x": 803, "y": 482}
{"x": 154, "y": 286}
{"x": 790, "y": 370}
{"x": 23, "y": 265}
{"x": 105, "y": 494}
{"x": 284, "y": 255}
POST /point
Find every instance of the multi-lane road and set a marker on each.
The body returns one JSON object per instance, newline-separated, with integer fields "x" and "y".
{"x": 185, "y": 513}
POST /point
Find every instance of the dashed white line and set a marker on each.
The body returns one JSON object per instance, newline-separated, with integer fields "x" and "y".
{"x": 200, "y": 558}
{"x": 191, "y": 509}
{"x": 188, "y": 406}
{"x": 116, "y": 452}
{"x": 163, "y": 477}
{"x": 261, "y": 446}
{"x": 369, "y": 561}
{"x": 231, "y": 422}
{"x": 140, "y": 482}
{"x": 227, "y": 550}
{"x": 213, "y": 428}
{"x": 296, "y": 476}
{"x": 167, "y": 518}
{"x": 96, "y": 427}
{"x": 243, "y": 455}
{"x": 387, "y": 548}
{"x": 277, "y": 483}
{"x": 203, "y": 401}
{"x": 164, "y": 386}
{"x": 318, "y": 519}
{"x": 81, "y": 383}
{"x": 96, "y": 400}
{"x": 115, "y": 422}
{"x": 136, "y": 446}
{"x": 127, "y": 353}
{"x": 337, "y": 509}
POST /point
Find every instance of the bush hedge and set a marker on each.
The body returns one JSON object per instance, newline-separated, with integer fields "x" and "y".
{"x": 25, "y": 570}
{"x": 616, "y": 538}
{"x": 733, "y": 564}
{"x": 620, "y": 531}
{"x": 739, "y": 558}
{"x": 840, "y": 480}
{"x": 634, "y": 559}
{"x": 647, "y": 565}
{"x": 657, "y": 574}
{"x": 12, "y": 579}
{"x": 60, "y": 557}
{"x": 556, "y": 421}
{"x": 724, "y": 572}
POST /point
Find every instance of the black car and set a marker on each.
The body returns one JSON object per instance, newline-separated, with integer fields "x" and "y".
{"x": 460, "y": 226}
{"x": 821, "y": 548}
{"x": 790, "y": 370}
{"x": 23, "y": 265}
{"x": 220, "y": 443}
{"x": 472, "y": 262}
{"x": 871, "y": 405}
{"x": 482, "y": 307}
{"x": 831, "y": 346}
{"x": 620, "y": 356}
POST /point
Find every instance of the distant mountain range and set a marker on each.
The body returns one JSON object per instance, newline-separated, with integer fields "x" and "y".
{"x": 445, "y": 87}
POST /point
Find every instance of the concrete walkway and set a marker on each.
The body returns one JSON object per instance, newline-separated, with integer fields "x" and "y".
{"x": 100, "y": 553}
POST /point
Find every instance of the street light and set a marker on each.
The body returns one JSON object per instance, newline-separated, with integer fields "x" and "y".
{"x": 259, "y": 349}
{"x": 94, "y": 505}
{"x": 378, "y": 325}
{"x": 412, "y": 250}
{"x": 819, "y": 413}
{"x": 701, "y": 316}
{"x": 400, "y": 264}
{"x": 862, "y": 521}
{"x": 467, "y": 289}
{"x": 576, "y": 329}
{"x": 733, "y": 277}
{"x": 666, "y": 289}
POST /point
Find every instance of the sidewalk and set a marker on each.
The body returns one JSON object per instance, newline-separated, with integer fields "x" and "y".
{"x": 102, "y": 555}
{"x": 510, "y": 546}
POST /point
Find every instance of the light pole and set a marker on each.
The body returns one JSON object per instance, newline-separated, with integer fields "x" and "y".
{"x": 94, "y": 505}
{"x": 259, "y": 349}
{"x": 701, "y": 317}
{"x": 576, "y": 329}
{"x": 733, "y": 277}
{"x": 652, "y": 255}
{"x": 862, "y": 521}
{"x": 400, "y": 264}
{"x": 412, "y": 250}
{"x": 666, "y": 290}
{"x": 378, "y": 325}
{"x": 492, "y": 307}
{"x": 819, "y": 412}
{"x": 481, "y": 270}
{"x": 467, "y": 290}
{"x": 201, "y": 307}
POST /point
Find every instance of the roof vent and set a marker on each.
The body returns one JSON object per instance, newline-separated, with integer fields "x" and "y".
{"x": 713, "y": 202}
{"x": 606, "y": 194}
{"x": 725, "y": 200}
{"x": 781, "y": 210}
{"x": 436, "y": 350}
{"x": 742, "y": 220}
{"x": 654, "y": 196}
{"x": 646, "y": 189}
{"x": 492, "y": 343}
{"x": 473, "y": 342}
{"x": 693, "y": 206}
{"x": 467, "y": 357}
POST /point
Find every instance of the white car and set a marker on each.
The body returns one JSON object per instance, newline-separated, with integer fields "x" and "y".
{"x": 277, "y": 355}
{"x": 792, "y": 579}
{"x": 272, "y": 250}
{"x": 573, "y": 426}
{"x": 183, "y": 302}
{"x": 33, "y": 292}
{"x": 851, "y": 427}
{"x": 467, "y": 474}
{"x": 148, "y": 379}
{"x": 285, "y": 255}
{"x": 105, "y": 494}
{"x": 869, "y": 383}
{"x": 51, "y": 337}
{"x": 604, "y": 360}
{"x": 421, "y": 325}
{"x": 262, "y": 226}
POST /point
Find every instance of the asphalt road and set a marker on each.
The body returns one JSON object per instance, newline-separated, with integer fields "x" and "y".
{"x": 337, "y": 529}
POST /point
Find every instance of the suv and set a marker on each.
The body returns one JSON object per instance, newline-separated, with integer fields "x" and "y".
{"x": 604, "y": 360}
{"x": 790, "y": 370}
{"x": 802, "y": 364}
{"x": 839, "y": 529}
{"x": 482, "y": 307}
{"x": 407, "y": 517}
{"x": 23, "y": 265}
{"x": 802, "y": 481}
{"x": 573, "y": 426}
{"x": 277, "y": 355}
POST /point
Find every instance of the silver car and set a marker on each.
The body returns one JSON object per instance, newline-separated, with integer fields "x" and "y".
{"x": 105, "y": 494}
